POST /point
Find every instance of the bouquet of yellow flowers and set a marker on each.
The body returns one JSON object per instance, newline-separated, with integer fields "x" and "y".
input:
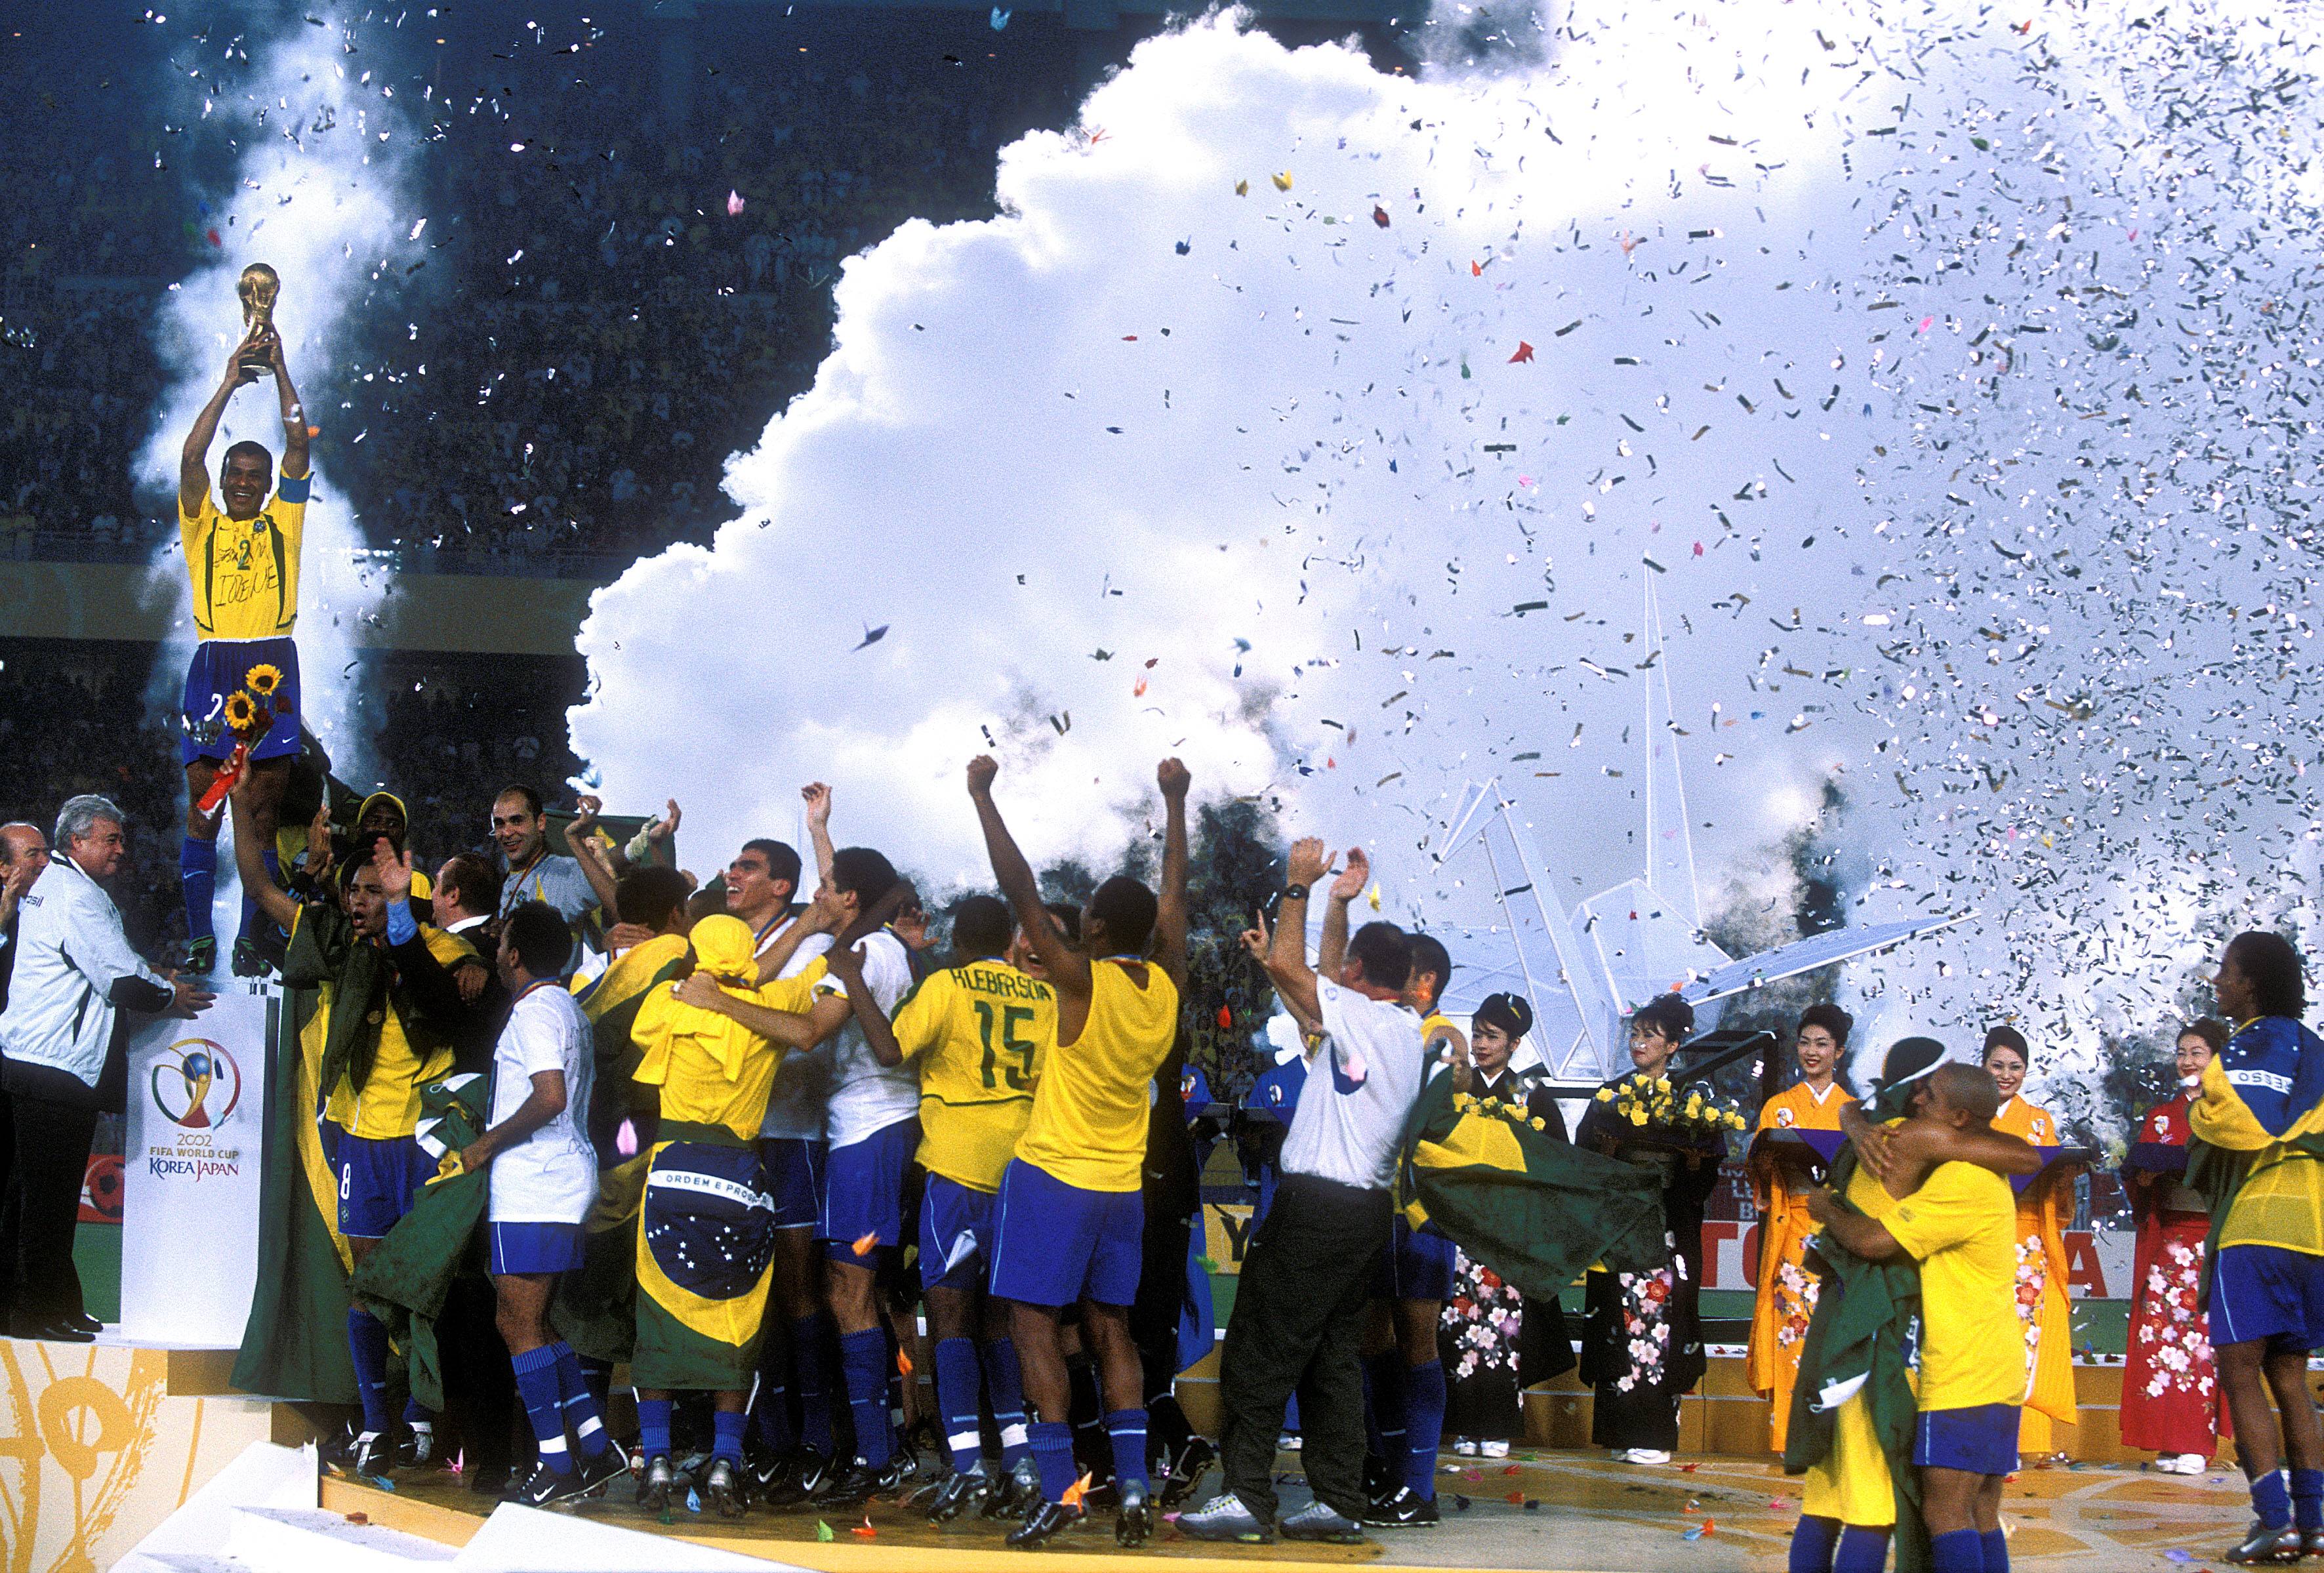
{"x": 248, "y": 715}
{"x": 1645, "y": 1100}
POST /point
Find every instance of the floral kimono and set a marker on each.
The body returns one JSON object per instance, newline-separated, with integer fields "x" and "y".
{"x": 1496, "y": 1342}
{"x": 2041, "y": 1307}
{"x": 2170, "y": 1386}
{"x": 1786, "y": 1289}
{"x": 1644, "y": 1346}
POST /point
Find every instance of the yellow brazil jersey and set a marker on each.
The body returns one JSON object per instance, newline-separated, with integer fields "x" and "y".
{"x": 713, "y": 1070}
{"x": 982, "y": 1033}
{"x": 387, "y": 1104}
{"x": 1435, "y": 1023}
{"x": 1961, "y": 1225}
{"x": 1089, "y": 1117}
{"x": 1851, "y": 1482}
{"x": 246, "y": 571}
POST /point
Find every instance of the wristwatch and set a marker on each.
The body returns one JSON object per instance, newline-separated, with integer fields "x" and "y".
{"x": 1294, "y": 893}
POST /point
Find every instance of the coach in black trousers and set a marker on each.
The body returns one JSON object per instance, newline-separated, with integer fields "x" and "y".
{"x": 65, "y": 1034}
{"x": 1299, "y": 1309}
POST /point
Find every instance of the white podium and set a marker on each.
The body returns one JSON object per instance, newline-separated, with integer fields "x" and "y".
{"x": 191, "y": 1166}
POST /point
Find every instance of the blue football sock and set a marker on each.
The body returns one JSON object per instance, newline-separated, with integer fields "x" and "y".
{"x": 597, "y": 1376}
{"x": 416, "y": 1413}
{"x": 1960, "y": 1551}
{"x": 198, "y": 872}
{"x": 956, "y": 1386}
{"x": 2268, "y": 1500}
{"x": 1385, "y": 1406}
{"x": 582, "y": 1415}
{"x": 728, "y": 1431}
{"x": 1423, "y": 1426}
{"x": 812, "y": 1379}
{"x": 1997, "y": 1551}
{"x": 1052, "y": 1445}
{"x": 2307, "y": 1499}
{"x": 536, "y": 1384}
{"x": 1813, "y": 1541}
{"x": 1861, "y": 1551}
{"x": 368, "y": 1345}
{"x": 1126, "y": 1429}
{"x": 653, "y": 1426}
{"x": 771, "y": 1409}
{"x": 256, "y": 923}
{"x": 1004, "y": 1383}
{"x": 861, "y": 1356}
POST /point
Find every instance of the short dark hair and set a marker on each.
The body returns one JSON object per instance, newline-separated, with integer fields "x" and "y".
{"x": 782, "y": 861}
{"x": 2272, "y": 966}
{"x": 2210, "y": 1028}
{"x": 1429, "y": 955}
{"x": 707, "y": 902}
{"x": 862, "y": 872}
{"x": 1384, "y": 952}
{"x": 2004, "y": 1037}
{"x": 475, "y": 883}
{"x": 1668, "y": 1015}
{"x": 1969, "y": 1087}
{"x": 1067, "y": 917}
{"x": 1127, "y": 909}
{"x": 980, "y": 927}
{"x": 1831, "y": 1018}
{"x": 245, "y": 447}
{"x": 531, "y": 797}
{"x": 647, "y": 895}
{"x": 536, "y": 932}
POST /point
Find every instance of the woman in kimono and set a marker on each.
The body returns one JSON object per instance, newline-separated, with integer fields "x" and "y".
{"x": 1644, "y": 1348}
{"x": 2170, "y": 1385}
{"x": 2042, "y": 1309}
{"x": 1494, "y": 1340}
{"x": 1783, "y": 1176}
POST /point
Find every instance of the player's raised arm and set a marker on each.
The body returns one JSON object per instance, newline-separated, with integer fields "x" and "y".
{"x": 1331, "y": 949}
{"x": 1287, "y": 958}
{"x": 1068, "y": 969}
{"x": 817, "y": 797}
{"x": 1170, "y": 906}
{"x": 193, "y": 463}
{"x": 249, "y": 860}
{"x": 294, "y": 418}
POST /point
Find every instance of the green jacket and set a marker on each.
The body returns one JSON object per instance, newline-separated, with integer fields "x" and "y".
{"x": 405, "y": 1279}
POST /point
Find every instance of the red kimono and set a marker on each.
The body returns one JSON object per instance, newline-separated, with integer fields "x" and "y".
{"x": 2170, "y": 1385}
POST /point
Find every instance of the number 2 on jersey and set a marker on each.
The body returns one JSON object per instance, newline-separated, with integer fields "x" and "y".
{"x": 1019, "y": 1076}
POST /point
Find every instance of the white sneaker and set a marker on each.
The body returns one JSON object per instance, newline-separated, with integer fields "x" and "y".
{"x": 1645, "y": 1456}
{"x": 1495, "y": 1450}
{"x": 2180, "y": 1463}
{"x": 1464, "y": 1446}
{"x": 1286, "y": 1441}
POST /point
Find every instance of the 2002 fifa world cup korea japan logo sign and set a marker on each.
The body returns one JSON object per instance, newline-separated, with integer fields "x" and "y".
{"x": 195, "y": 1085}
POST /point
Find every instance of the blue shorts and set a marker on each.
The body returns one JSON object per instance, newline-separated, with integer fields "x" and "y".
{"x": 1414, "y": 1265}
{"x": 794, "y": 1166}
{"x": 218, "y": 668}
{"x": 2265, "y": 1292}
{"x": 534, "y": 1247}
{"x": 955, "y": 1235}
{"x": 1054, "y": 1243}
{"x": 863, "y": 1197}
{"x": 1981, "y": 1439}
{"x": 377, "y": 1181}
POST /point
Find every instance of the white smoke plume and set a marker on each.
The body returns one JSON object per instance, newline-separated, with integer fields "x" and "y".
{"x": 1949, "y": 371}
{"x": 320, "y": 151}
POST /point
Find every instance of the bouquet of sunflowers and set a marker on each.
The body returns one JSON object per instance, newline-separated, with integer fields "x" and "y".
{"x": 248, "y": 715}
{"x": 1644, "y": 1101}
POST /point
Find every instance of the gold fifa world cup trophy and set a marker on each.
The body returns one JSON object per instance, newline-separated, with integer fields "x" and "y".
{"x": 258, "y": 287}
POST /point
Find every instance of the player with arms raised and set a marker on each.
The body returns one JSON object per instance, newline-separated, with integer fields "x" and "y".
{"x": 243, "y": 565}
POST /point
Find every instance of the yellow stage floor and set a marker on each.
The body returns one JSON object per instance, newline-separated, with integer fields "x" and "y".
{"x": 1590, "y": 1514}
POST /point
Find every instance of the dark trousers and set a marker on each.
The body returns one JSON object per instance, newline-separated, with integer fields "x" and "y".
{"x": 1298, "y": 1326}
{"x": 51, "y": 1160}
{"x": 11, "y": 1208}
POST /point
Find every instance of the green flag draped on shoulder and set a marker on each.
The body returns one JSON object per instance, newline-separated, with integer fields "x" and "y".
{"x": 1537, "y": 1211}
{"x": 405, "y": 1279}
{"x": 295, "y": 1343}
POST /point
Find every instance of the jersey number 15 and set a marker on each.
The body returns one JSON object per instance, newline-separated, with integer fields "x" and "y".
{"x": 1019, "y": 1076}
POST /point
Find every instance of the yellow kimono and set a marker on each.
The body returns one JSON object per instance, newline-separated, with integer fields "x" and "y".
{"x": 1787, "y": 1290}
{"x": 2041, "y": 1306}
